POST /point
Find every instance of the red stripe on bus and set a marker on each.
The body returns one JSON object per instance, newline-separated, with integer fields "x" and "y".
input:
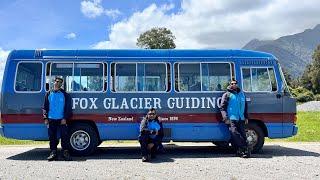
{"x": 135, "y": 118}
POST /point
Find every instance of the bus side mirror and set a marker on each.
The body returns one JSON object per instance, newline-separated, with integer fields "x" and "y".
{"x": 278, "y": 95}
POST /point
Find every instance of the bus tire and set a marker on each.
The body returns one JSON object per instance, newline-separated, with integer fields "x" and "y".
{"x": 83, "y": 139}
{"x": 255, "y": 137}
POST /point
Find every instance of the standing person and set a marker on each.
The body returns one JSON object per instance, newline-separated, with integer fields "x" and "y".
{"x": 234, "y": 113}
{"x": 56, "y": 110}
{"x": 151, "y": 133}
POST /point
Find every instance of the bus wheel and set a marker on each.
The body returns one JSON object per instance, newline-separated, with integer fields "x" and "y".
{"x": 255, "y": 137}
{"x": 83, "y": 139}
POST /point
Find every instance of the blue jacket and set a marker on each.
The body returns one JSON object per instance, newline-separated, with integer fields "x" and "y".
{"x": 233, "y": 105}
{"x": 67, "y": 110}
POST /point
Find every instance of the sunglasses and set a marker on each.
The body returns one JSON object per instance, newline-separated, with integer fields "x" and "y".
{"x": 151, "y": 113}
{"x": 58, "y": 81}
{"x": 233, "y": 83}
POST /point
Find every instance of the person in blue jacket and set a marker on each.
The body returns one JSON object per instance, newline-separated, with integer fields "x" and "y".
{"x": 234, "y": 113}
{"x": 151, "y": 134}
{"x": 56, "y": 110}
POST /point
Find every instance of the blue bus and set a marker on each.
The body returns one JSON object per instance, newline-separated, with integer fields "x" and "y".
{"x": 112, "y": 90}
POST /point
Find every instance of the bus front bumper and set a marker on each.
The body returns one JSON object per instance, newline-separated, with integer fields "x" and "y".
{"x": 295, "y": 130}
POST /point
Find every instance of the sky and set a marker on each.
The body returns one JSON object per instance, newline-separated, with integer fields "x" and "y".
{"x": 116, "y": 24}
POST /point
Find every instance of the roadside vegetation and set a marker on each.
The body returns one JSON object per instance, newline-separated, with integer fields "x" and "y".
{"x": 307, "y": 88}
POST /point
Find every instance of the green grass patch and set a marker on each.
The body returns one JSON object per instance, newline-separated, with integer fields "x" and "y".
{"x": 309, "y": 128}
{"x": 7, "y": 141}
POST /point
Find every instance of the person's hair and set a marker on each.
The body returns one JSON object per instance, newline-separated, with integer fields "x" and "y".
{"x": 59, "y": 78}
{"x": 233, "y": 80}
{"x": 152, "y": 109}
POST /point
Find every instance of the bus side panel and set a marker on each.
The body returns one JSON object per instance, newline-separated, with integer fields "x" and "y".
{"x": 26, "y": 131}
{"x": 198, "y": 131}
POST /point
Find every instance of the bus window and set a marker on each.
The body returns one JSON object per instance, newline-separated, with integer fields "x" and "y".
{"x": 125, "y": 78}
{"x": 28, "y": 77}
{"x": 88, "y": 77}
{"x": 215, "y": 76}
{"x": 63, "y": 70}
{"x": 152, "y": 77}
{"x": 258, "y": 79}
{"x": 273, "y": 79}
{"x": 189, "y": 77}
{"x": 246, "y": 79}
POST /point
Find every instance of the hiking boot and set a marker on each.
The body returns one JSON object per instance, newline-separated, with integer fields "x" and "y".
{"x": 144, "y": 159}
{"x": 66, "y": 155}
{"x": 246, "y": 153}
{"x": 52, "y": 156}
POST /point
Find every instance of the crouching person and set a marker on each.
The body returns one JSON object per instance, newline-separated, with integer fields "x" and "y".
{"x": 151, "y": 133}
{"x": 56, "y": 110}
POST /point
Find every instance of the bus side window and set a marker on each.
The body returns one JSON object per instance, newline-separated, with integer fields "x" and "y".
{"x": 112, "y": 78}
{"x": 29, "y": 76}
{"x": 260, "y": 79}
{"x": 176, "y": 79}
{"x": 48, "y": 69}
{"x": 105, "y": 80}
{"x": 168, "y": 78}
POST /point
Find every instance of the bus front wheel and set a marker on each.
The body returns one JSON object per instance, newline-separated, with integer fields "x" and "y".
{"x": 83, "y": 139}
{"x": 255, "y": 137}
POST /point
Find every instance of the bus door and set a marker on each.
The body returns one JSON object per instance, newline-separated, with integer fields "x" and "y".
{"x": 264, "y": 102}
{"x": 289, "y": 108}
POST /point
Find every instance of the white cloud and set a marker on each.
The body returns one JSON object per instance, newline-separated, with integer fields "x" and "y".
{"x": 92, "y": 9}
{"x": 3, "y": 58}
{"x": 217, "y": 23}
{"x": 70, "y": 36}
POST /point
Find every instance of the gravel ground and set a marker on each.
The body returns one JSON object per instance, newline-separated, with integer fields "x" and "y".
{"x": 309, "y": 106}
{"x": 181, "y": 161}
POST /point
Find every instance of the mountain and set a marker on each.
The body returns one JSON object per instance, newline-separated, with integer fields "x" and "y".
{"x": 293, "y": 51}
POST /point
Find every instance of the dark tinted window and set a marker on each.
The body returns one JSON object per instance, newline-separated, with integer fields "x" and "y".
{"x": 28, "y": 77}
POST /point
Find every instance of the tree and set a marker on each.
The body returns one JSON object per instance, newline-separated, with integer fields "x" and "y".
{"x": 315, "y": 71}
{"x": 156, "y": 38}
{"x": 311, "y": 76}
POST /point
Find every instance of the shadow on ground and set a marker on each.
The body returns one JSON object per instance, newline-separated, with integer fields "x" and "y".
{"x": 172, "y": 152}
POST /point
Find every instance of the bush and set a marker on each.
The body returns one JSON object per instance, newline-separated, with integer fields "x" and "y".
{"x": 305, "y": 97}
{"x": 302, "y": 94}
{"x": 317, "y": 97}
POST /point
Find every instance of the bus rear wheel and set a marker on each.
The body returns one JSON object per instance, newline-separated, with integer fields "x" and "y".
{"x": 83, "y": 139}
{"x": 255, "y": 137}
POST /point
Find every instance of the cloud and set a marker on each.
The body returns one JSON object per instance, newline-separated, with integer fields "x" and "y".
{"x": 113, "y": 13}
{"x": 217, "y": 23}
{"x": 70, "y": 36}
{"x": 3, "y": 58}
{"x": 93, "y": 9}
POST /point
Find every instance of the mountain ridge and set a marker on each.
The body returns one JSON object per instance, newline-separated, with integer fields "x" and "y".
{"x": 293, "y": 51}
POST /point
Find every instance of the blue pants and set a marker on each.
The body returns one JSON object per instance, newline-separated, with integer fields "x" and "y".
{"x": 54, "y": 127}
{"x": 144, "y": 140}
{"x": 238, "y": 134}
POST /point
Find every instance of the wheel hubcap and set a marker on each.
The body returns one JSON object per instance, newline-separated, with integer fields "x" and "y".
{"x": 252, "y": 137}
{"x": 80, "y": 140}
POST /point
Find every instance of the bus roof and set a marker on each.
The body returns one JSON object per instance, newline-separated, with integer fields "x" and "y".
{"x": 131, "y": 53}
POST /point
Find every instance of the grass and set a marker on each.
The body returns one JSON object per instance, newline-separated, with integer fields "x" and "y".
{"x": 308, "y": 123}
{"x": 7, "y": 141}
